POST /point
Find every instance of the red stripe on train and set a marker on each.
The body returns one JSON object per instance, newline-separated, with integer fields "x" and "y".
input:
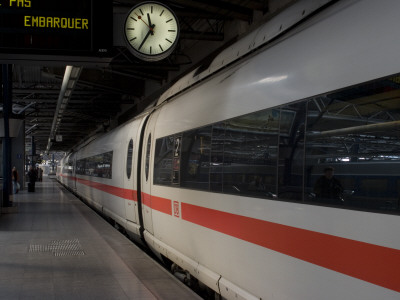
{"x": 161, "y": 204}
{"x": 372, "y": 263}
{"x": 368, "y": 262}
{"x": 113, "y": 190}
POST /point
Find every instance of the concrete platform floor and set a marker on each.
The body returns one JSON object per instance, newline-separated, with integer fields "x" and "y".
{"x": 55, "y": 247}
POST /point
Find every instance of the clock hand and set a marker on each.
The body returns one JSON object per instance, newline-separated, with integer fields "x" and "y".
{"x": 140, "y": 18}
{"x": 151, "y": 25}
{"x": 147, "y": 35}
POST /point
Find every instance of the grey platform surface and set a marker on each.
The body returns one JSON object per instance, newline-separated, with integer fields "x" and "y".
{"x": 56, "y": 247}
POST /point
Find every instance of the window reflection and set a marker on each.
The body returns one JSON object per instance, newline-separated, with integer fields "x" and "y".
{"x": 97, "y": 166}
{"x": 163, "y": 161}
{"x": 291, "y": 152}
{"x": 147, "y": 166}
{"x": 281, "y": 153}
{"x": 355, "y": 131}
{"x": 129, "y": 159}
{"x": 250, "y": 154}
{"x": 196, "y": 158}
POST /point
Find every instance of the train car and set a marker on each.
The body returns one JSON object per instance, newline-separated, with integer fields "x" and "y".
{"x": 104, "y": 173}
{"x": 216, "y": 177}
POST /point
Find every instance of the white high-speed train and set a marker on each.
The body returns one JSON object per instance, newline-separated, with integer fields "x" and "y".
{"x": 217, "y": 176}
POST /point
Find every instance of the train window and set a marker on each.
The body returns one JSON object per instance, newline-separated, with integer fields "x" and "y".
{"x": 291, "y": 152}
{"x": 105, "y": 168}
{"x": 81, "y": 166}
{"x": 163, "y": 161}
{"x": 250, "y": 154}
{"x": 195, "y": 159}
{"x": 147, "y": 166}
{"x": 96, "y": 166}
{"x": 1, "y": 156}
{"x": 217, "y": 157}
{"x": 129, "y": 159}
{"x": 374, "y": 185}
{"x": 354, "y": 133}
{"x": 176, "y": 160}
{"x": 69, "y": 166}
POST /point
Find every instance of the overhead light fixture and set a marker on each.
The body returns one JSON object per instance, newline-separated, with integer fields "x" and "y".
{"x": 30, "y": 129}
{"x": 71, "y": 77}
{"x": 24, "y": 108}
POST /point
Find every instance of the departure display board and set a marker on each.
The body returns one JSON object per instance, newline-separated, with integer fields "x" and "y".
{"x": 56, "y": 27}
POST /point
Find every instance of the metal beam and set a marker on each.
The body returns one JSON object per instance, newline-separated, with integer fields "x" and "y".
{"x": 381, "y": 127}
{"x": 261, "y": 5}
{"x": 218, "y": 8}
{"x": 48, "y": 91}
{"x": 54, "y": 101}
{"x": 204, "y": 36}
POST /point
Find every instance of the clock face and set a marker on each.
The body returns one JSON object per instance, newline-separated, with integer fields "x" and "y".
{"x": 151, "y": 31}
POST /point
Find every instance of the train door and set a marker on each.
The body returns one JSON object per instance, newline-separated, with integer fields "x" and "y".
{"x": 130, "y": 203}
{"x": 147, "y": 173}
{"x": 70, "y": 170}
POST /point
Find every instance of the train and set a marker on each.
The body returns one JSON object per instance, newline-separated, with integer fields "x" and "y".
{"x": 217, "y": 177}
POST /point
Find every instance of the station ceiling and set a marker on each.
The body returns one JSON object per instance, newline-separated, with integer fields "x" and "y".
{"x": 105, "y": 96}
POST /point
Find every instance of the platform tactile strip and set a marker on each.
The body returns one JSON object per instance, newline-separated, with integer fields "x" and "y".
{"x": 60, "y": 248}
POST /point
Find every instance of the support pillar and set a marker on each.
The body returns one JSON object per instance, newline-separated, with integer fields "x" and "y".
{"x": 6, "y": 81}
{"x": 33, "y": 152}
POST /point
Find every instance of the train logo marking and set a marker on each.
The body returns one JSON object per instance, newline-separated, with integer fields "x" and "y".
{"x": 176, "y": 209}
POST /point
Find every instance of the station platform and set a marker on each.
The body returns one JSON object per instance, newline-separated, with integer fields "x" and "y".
{"x": 55, "y": 247}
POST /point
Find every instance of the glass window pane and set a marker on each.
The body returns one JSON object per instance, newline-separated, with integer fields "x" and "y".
{"x": 353, "y": 134}
{"x": 1, "y": 156}
{"x": 106, "y": 166}
{"x": 147, "y": 166}
{"x": 69, "y": 166}
{"x": 163, "y": 161}
{"x": 176, "y": 160}
{"x": 250, "y": 154}
{"x": 80, "y": 166}
{"x": 97, "y": 166}
{"x": 195, "y": 162}
{"x": 217, "y": 158}
{"x": 291, "y": 152}
{"x": 129, "y": 159}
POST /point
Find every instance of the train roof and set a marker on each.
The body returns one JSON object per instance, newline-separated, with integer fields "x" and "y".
{"x": 258, "y": 38}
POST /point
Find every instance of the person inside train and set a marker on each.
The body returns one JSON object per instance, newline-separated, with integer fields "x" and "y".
{"x": 328, "y": 187}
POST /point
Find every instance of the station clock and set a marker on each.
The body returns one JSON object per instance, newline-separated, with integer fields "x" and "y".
{"x": 151, "y": 31}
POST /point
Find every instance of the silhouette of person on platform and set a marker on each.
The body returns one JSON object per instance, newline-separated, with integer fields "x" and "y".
{"x": 327, "y": 187}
